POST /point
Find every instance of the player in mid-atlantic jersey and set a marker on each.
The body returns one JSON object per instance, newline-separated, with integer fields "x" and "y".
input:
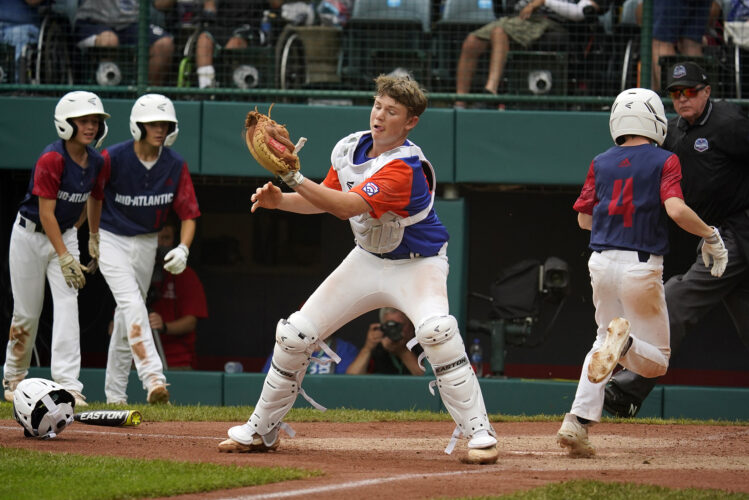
{"x": 44, "y": 243}
{"x": 622, "y": 204}
{"x": 141, "y": 182}
{"x": 384, "y": 185}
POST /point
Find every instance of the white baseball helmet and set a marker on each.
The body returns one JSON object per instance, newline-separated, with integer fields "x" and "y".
{"x": 75, "y": 104}
{"x": 153, "y": 108}
{"x": 42, "y": 407}
{"x": 638, "y": 112}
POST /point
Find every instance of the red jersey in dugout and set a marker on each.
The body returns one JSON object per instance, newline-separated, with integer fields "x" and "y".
{"x": 180, "y": 295}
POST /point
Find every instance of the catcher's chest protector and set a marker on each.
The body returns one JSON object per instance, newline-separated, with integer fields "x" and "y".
{"x": 384, "y": 234}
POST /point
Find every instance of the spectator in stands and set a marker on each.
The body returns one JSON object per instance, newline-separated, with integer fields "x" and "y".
{"x": 678, "y": 27}
{"x": 534, "y": 19}
{"x": 19, "y": 25}
{"x": 385, "y": 350}
{"x": 111, "y": 23}
{"x": 232, "y": 24}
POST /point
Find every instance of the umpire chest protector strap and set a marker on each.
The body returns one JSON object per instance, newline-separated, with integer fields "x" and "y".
{"x": 384, "y": 234}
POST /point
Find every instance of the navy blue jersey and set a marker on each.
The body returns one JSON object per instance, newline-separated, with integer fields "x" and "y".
{"x": 57, "y": 177}
{"x": 624, "y": 192}
{"x": 137, "y": 200}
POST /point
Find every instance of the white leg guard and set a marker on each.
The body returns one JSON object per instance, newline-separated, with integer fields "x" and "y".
{"x": 296, "y": 339}
{"x": 457, "y": 383}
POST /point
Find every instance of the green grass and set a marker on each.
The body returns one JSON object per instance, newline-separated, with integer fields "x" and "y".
{"x": 585, "y": 490}
{"x": 199, "y": 413}
{"x": 83, "y": 477}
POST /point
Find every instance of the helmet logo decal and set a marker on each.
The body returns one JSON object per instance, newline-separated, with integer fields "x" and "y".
{"x": 701, "y": 145}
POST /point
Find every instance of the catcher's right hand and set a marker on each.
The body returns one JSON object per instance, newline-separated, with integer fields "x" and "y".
{"x": 271, "y": 147}
{"x": 715, "y": 248}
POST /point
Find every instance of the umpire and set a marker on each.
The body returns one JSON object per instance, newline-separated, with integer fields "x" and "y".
{"x": 711, "y": 139}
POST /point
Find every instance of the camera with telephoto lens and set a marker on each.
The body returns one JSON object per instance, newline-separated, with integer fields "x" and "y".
{"x": 392, "y": 330}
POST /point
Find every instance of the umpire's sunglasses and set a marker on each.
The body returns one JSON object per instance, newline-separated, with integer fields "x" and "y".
{"x": 688, "y": 92}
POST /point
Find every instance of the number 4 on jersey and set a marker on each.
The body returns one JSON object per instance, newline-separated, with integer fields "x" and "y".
{"x": 623, "y": 207}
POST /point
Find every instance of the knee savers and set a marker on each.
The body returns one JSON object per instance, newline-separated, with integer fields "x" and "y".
{"x": 457, "y": 383}
{"x": 295, "y": 341}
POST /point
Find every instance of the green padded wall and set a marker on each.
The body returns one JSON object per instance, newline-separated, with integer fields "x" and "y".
{"x": 528, "y": 147}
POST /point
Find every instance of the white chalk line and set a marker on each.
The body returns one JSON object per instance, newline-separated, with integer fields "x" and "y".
{"x": 358, "y": 484}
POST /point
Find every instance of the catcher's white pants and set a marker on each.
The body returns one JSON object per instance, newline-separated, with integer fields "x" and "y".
{"x": 127, "y": 264}
{"x": 625, "y": 287}
{"x": 32, "y": 259}
{"x": 364, "y": 282}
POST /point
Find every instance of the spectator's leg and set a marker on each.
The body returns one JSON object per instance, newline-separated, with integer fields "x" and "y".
{"x": 500, "y": 43}
{"x": 107, "y": 39}
{"x": 161, "y": 53}
{"x": 660, "y": 49}
{"x": 204, "y": 61}
{"x": 472, "y": 48}
{"x": 690, "y": 47}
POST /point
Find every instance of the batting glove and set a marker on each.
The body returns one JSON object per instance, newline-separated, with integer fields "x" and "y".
{"x": 72, "y": 271}
{"x": 715, "y": 248}
{"x": 176, "y": 260}
{"x": 93, "y": 251}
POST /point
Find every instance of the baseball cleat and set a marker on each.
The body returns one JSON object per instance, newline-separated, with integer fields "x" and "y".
{"x": 158, "y": 394}
{"x": 80, "y": 399}
{"x": 257, "y": 446}
{"x": 482, "y": 449}
{"x": 8, "y": 387}
{"x": 574, "y": 436}
{"x": 604, "y": 360}
{"x": 482, "y": 456}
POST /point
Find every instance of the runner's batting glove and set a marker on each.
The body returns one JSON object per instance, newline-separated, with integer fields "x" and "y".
{"x": 93, "y": 251}
{"x": 715, "y": 248}
{"x": 72, "y": 271}
{"x": 176, "y": 260}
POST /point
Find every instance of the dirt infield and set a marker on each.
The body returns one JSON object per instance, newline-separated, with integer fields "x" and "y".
{"x": 406, "y": 460}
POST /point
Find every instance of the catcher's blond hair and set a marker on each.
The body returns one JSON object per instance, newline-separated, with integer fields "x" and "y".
{"x": 405, "y": 91}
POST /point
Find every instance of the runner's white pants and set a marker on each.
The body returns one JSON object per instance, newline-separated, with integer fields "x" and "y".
{"x": 625, "y": 287}
{"x": 127, "y": 264}
{"x": 32, "y": 259}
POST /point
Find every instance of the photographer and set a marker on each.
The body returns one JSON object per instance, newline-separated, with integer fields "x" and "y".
{"x": 385, "y": 350}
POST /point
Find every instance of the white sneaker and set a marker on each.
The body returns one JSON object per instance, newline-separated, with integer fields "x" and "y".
{"x": 80, "y": 399}
{"x": 604, "y": 360}
{"x": 574, "y": 436}
{"x": 8, "y": 387}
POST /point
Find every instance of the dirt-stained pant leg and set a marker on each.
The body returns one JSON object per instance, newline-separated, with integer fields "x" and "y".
{"x": 127, "y": 264}
{"x": 624, "y": 287}
{"x": 29, "y": 255}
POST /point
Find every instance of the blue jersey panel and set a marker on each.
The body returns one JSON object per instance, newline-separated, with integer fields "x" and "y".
{"x": 137, "y": 200}
{"x": 64, "y": 180}
{"x": 630, "y": 214}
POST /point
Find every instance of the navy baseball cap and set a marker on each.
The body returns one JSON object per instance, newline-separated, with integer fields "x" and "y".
{"x": 686, "y": 74}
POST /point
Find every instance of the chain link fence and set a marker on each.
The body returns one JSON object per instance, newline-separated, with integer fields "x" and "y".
{"x": 506, "y": 54}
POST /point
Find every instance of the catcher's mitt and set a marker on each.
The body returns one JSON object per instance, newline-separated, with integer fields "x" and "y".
{"x": 270, "y": 145}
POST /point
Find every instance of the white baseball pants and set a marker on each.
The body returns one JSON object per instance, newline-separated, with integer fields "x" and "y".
{"x": 127, "y": 264}
{"x": 32, "y": 259}
{"x": 364, "y": 282}
{"x": 625, "y": 287}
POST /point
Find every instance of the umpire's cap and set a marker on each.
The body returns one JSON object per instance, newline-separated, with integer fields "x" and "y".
{"x": 686, "y": 74}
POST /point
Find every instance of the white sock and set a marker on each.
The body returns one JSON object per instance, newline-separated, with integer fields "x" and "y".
{"x": 206, "y": 76}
